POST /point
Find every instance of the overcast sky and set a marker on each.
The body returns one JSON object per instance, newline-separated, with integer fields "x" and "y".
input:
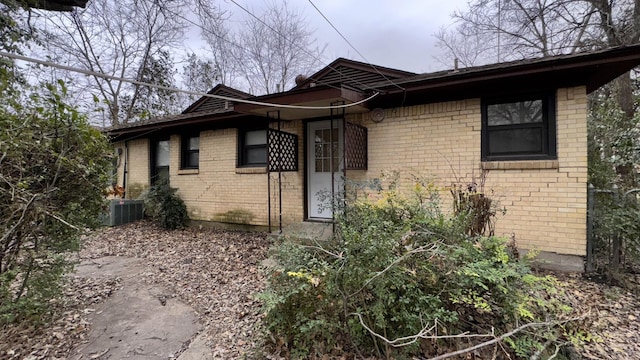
{"x": 392, "y": 33}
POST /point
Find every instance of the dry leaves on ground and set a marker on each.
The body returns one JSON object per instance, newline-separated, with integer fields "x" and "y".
{"x": 218, "y": 273}
{"x": 56, "y": 339}
{"x": 612, "y": 316}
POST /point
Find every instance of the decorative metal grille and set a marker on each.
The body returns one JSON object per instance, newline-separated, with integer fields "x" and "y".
{"x": 355, "y": 147}
{"x": 282, "y": 151}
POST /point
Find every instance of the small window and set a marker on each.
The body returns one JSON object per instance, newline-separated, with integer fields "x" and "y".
{"x": 252, "y": 150}
{"x": 519, "y": 129}
{"x": 190, "y": 146}
{"x": 161, "y": 159}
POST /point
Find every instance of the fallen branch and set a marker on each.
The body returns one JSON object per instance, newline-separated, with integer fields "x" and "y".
{"x": 504, "y": 336}
{"x": 425, "y": 334}
{"x": 62, "y": 221}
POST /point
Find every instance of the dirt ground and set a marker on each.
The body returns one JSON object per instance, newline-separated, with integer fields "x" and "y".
{"x": 215, "y": 275}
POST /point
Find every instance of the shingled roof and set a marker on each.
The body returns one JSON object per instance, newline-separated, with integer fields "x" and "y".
{"x": 53, "y": 5}
{"x": 400, "y": 88}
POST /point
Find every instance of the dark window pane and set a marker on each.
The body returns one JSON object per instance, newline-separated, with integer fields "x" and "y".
{"x": 256, "y": 155}
{"x": 161, "y": 174}
{"x": 193, "y": 159}
{"x": 515, "y": 141}
{"x": 257, "y": 137}
{"x": 522, "y": 112}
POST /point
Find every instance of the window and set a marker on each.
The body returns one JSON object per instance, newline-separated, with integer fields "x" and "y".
{"x": 326, "y": 150}
{"x": 252, "y": 149}
{"x": 160, "y": 169}
{"x": 519, "y": 128}
{"x": 190, "y": 146}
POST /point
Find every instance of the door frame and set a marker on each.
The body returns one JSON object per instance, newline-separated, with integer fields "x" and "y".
{"x": 338, "y": 123}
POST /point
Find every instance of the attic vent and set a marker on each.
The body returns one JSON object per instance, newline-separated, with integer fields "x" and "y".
{"x": 123, "y": 211}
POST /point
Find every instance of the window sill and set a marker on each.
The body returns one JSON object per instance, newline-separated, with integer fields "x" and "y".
{"x": 520, "y": 165}
{"x": 188, "y": 171}
{"x": 251, "y": 170}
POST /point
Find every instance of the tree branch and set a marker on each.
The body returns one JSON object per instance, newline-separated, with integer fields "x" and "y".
{"x": 424, "y": 334}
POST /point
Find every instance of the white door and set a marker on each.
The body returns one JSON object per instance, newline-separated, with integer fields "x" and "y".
{"x": 324, "y": 157}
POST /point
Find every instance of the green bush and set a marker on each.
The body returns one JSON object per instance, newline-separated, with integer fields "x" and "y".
{"x": 398, "y": 266}
{"x": 54, "y": 168}
{"x": 164, "y": 206}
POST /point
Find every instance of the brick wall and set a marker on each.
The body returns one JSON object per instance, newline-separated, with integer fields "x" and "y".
{"x": 545, "y": 200}
{"x": 137, "y": 163}
{"x": 219, "y": 191}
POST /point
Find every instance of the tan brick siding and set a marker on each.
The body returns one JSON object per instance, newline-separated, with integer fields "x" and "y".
{"x": 545, "y": 201}
{"x": 136, "y": 156}
{"x": 219, "y": 191}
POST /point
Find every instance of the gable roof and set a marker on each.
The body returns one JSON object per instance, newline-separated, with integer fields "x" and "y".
{"x": 352, "y": 73}
{"x": 206, "y": 103}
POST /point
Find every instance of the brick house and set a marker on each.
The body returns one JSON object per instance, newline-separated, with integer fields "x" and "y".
{"x": 523, "y": 124}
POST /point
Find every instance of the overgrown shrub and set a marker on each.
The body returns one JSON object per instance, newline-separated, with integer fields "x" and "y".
{"x": 165, "y": 207}
{"x": 614, "y": 140}
{"x": 54, "y": 168}
{"x": 400, "y": 278}
{"x": 616, "y": 234}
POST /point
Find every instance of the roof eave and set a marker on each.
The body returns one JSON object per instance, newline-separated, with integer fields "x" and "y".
{"x": 592, "y": 70}
{"x": 197, "y": 119}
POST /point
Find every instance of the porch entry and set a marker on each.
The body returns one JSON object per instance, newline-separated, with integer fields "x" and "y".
{"x": 325, "y": 167}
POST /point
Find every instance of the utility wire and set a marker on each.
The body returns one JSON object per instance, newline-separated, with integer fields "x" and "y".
{"x": 111, "y": 77}
{"x": 300, "y": 46}
{"x": 353, "y": 47}
{"x": 319, "y": 58}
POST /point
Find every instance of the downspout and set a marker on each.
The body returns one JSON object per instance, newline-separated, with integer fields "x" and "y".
{"x": 124, "y": 172}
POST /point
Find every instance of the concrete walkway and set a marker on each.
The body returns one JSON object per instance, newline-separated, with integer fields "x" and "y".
{"x": 138, "y": 321}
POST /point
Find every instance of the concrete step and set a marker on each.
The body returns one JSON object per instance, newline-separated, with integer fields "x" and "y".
{"x": 307, "y": 230}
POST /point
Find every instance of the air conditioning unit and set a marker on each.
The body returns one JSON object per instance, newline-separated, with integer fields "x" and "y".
{"x": 124, "y": 211}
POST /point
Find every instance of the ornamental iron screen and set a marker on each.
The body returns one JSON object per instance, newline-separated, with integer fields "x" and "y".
{"x": 355, "y": 152}
{"x": 282, "y": 153}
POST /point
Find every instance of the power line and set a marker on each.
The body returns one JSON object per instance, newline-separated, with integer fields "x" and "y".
{"x": 247, "y": 51}
{"x": 300, "y": 46}
{"x": 168, "y": 88}
{"x": 353, "y": 47}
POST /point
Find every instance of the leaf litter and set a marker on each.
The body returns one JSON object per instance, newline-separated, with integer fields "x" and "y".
{"x": 219, "y": 272}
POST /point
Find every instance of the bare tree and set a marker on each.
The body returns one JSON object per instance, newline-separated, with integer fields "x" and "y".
{"x": 200, "y": 75}
{"x": 516, "y": 29}
{"x": 223, "y": 51}
{"x": 463, "y": 50}
{"x": 122, "y": 38}
{"x": 534, "y": 28}
{"x": 278, "y": 46}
